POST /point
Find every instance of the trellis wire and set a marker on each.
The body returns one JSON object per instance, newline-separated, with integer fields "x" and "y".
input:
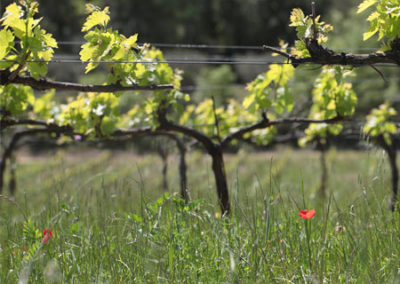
{"x": 185, "y": 58}
{"x": 207, "y": 46}
{"x": 210, "y": 62}
{"x": 194, "y": 61}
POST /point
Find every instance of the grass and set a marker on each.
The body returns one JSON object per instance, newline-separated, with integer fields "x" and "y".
{"x": 112, "y": 222}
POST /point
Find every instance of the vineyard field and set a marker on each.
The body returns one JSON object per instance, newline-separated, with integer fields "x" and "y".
{"x": 92, "y": 171}
{"x": 112, "y": 222}
{"x": 170, "y": 162}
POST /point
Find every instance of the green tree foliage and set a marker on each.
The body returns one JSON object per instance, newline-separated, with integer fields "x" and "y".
{"x": 270, "y": 90}
{"x": 332, "y": 97}
{"x": 379, "y": 122}
{"x": 372, "y": 89}
{"x": 98, "y": 114}
{"x": 35, "y": 47}
{"x": 15, "y": 99}
{"x": 307, "y": 28}
{"x": 384, "y": 20}
{"x": 92, "y": 114}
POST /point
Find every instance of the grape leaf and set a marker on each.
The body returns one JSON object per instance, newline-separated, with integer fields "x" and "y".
{"x": 11, "y": 15}
{"x": 16, "y": 98}
{"x": 365, "y": 5}
{"x": 296, "y": 17}
{"x": 96, "y": 18}
{"x": 7, "y": 42}
{"x": 44, "y": 105}
{"x": 37, "y": 69}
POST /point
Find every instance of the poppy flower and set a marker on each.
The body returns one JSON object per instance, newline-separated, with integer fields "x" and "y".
{"x": 307, "y": 214}
{"x": 47, "y": 233}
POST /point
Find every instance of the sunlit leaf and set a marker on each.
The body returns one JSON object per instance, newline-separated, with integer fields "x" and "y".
{"x": 100, "y": 18}
{"x": 365, "y": 5}
{"x": 7, "y": 42}
{"x": 296, "y": 17}
{"x": 37, "y": 69}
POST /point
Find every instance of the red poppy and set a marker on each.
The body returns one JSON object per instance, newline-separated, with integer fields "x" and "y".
{"x": 307, "y": 214}
{"x": 47, "y": 233}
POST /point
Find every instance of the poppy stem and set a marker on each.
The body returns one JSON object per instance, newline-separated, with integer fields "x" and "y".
{"x": 308, "y": 235}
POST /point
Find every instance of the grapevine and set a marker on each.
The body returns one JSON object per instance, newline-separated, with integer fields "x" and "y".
{"x": 93, "y": 113}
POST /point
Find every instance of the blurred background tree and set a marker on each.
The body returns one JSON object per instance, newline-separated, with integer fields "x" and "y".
{"x": 239, "y": 22}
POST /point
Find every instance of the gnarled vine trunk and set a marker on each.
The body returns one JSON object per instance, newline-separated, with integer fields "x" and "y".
{"x": 12, "y": 185}
{"x": 182, "y": 169}
{"x": 391, "y": 151}
{"x": 2, "y": 169}
{"x": 324, "y": 170}
{"x": 215, "y": 151}
{"x": 6, "y": 156}
{"x": 218, "y": 168}
{"x": 182, "y": 162}
{"x": 163, "y": 153}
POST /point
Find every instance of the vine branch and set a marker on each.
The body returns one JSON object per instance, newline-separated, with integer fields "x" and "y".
{"x": 19, "y": 135}
{"x": 325, "y": 56}
{"x": 216, "y": 119}
{"x": 314, "y": 15}
{"x": 5, "y": 123}
{"x": 45, "y": 84}
{"x": 165, "y": 124}
{"x": 264, "y": 123}
{"x": 21, "y": 66}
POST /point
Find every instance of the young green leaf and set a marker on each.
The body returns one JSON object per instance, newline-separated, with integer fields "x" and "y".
{"x": 97, "y": 18}
{"x": 37, "y": 69}
{"x": 379, "y": 122}
{"x": 296, "y": 17}
{"x": 365, "y": 5}
{"x": 7, "y": 42}
{"x": 45, "y": 105}
{"x": 15, "y": 99}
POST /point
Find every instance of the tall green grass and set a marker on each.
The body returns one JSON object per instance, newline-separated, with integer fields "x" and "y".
{"x": 112, "y": 223}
